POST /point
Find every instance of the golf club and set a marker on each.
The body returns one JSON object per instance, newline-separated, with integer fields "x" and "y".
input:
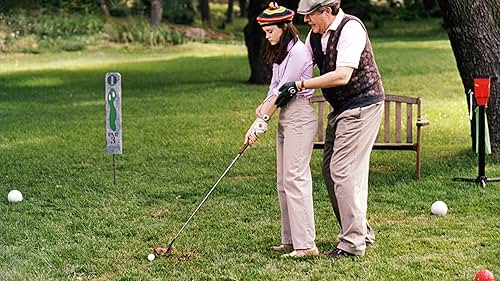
{"x": 166, "y": 250}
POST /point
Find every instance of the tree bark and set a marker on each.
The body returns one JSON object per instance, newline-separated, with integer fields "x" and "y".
{"x": 104, "y": 8}
{"x": 156, "y": 12}
{"x": 243, "y": 8}
{"x": 291, "y": 4}
{"x": 255, "y": 41}
{"x": 429, "y": 5}
{"x": 229, "y": 13}
{"x": 474, "y": 31}
{"x": 205, "y": 11}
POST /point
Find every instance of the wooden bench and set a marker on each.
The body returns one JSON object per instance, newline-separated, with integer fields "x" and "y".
{"x": 396, "y": 129}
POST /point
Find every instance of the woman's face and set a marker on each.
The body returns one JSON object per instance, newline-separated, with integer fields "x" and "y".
{"x": 273, "y": 34}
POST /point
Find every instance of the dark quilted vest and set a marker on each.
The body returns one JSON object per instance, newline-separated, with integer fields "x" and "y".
{"x": 364, "y": 87}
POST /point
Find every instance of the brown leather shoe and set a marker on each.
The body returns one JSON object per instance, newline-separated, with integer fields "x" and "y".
{"x": 339, "y": 253}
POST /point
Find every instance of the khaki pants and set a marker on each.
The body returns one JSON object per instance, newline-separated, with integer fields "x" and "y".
{"x": 348, "y": 143}
{"x": 297, "y": 129}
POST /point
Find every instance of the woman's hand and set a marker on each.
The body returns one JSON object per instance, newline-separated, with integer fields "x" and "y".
{"x": 258, "y": 128}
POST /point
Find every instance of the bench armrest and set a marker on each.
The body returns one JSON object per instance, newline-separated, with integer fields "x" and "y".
{"x": 422, "y": 122}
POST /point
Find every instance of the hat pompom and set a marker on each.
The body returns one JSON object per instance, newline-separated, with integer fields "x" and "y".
{"x": 273, "y": 6}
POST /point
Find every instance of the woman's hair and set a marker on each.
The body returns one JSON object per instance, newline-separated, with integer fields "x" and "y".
{"x": 277, "y": 53}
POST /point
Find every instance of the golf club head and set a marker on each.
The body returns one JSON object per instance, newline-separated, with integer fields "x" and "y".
{"x": 162, "y": 250}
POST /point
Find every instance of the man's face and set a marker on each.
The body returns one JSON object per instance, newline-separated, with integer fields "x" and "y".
{"x": 318, "y": 21}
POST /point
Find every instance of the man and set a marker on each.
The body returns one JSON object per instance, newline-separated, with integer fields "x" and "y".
{"x": 351, "y": 83}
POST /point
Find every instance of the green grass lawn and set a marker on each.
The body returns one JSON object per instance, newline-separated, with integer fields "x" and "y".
{"x": 185, "y": 111}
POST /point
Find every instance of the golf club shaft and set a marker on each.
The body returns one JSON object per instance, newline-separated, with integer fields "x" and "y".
{"x": 209, "y": 192}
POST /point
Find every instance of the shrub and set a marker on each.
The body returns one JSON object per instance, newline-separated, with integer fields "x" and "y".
{"x": 144, "y": 34}
{"x": 63, "y": 26}
{"x": 53, "y": 26}
{"x": 26, "y": 33}
{"x": 56, "y": 32}
{"x": 73, "y": 46}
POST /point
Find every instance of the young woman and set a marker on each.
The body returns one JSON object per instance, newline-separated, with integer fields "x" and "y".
{"x": 297, "y": 127}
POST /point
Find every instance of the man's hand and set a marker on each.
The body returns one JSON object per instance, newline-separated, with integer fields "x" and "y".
{"x": 287, "y": 91}
{"x": 258, "y": 128}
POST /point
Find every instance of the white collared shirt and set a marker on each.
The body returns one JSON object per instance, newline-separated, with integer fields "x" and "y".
{"x": 351, "y": 44}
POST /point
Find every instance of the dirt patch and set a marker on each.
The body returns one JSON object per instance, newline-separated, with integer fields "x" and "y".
{"x": 160, "y": 213}
{"x": 184, "y": 256}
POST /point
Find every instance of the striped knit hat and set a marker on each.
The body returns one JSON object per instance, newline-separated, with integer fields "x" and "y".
{"x": 275, "y": 14}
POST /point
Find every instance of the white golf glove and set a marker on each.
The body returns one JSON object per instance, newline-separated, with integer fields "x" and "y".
{"x": 258, "y": 128}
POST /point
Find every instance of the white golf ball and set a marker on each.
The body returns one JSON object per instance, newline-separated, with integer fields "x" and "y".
{"x": 151, "y": 257}
{"x": 439, "y": 208}
{"x": 15, "y": 196}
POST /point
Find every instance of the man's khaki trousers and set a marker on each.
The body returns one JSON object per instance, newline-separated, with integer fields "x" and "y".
{"x": 348, "y": 143}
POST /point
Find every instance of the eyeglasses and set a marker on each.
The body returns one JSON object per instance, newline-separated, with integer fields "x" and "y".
{"x": 316, "y": 12}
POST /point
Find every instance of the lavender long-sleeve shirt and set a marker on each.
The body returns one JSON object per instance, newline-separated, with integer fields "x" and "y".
{"x": 296, "y": 66}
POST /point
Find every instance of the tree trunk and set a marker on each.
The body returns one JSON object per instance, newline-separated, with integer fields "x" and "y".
{"x": 243, "y": 8}
{"x": 156, "y": 12}
{"x": 255, "y": 41}
{"x": 474, "y": 31}
{"x": 292, "y": 5}
{"x": 429, "y": 5}
{"x": 229, "y": 14}
{"x": 104, "y": 8}
{"x": 205, "y": 11}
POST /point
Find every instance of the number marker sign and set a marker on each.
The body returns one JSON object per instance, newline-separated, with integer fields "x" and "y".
{"x": 113, "y": 102}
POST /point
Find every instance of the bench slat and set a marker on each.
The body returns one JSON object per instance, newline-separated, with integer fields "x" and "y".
{"x": 398, "y": 122}
{"x": 395, "y": 146}
{"x": 387, "y": 121}
{"x": 381, "y": 146}
{"x": 409, "y": 123}
{"x": 403, "y": 99}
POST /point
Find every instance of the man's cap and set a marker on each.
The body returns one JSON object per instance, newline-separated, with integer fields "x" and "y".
{"x": 275, "y": 14}
{"x": 308, "y": 6}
